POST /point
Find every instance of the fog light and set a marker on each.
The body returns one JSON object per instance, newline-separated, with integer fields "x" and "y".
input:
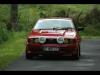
{"x": 42, "y": 39}
{"x": 60, "y": 40}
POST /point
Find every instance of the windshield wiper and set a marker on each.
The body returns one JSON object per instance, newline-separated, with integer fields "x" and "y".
{"x": 64, "y": 28}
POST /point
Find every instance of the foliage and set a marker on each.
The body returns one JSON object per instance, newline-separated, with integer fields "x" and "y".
{"x": 82, "y": 15}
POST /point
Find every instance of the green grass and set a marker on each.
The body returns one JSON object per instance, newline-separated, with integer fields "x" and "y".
{"x": 12, "y": 49}
{"x": 90, "y": 37}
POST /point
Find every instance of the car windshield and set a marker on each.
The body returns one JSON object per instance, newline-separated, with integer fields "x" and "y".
{"x": 54, "y": 24}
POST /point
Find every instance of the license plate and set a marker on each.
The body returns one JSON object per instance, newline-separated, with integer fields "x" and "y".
{"x": 51, "y": 49}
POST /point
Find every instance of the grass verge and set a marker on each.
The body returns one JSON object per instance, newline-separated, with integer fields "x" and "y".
{"x": 90, "y": 37}
{"x": 12, "y": 49}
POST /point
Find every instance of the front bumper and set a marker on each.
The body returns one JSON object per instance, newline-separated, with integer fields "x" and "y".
{"x": 64, "y": 50}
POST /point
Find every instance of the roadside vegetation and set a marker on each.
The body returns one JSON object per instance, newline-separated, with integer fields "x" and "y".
{"x": 12, "y": 49}
{"x": 12, "y": 43}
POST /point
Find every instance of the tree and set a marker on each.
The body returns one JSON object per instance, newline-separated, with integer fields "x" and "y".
{"x": 14, "y": 17}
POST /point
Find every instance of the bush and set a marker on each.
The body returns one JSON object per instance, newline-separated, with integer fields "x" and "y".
{"x": 93, "y": 16}
{"x": 60, "y": 13}
{"x": 4, "y": 34}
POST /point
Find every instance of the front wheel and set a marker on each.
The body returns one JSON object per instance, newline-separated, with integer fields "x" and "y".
{"x": 78, "y": 54}
{"x": 79, "y": 51}
{"x": 29, "y": 56}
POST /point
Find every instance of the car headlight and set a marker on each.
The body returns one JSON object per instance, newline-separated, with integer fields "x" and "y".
{"x": 36, "y": 40}
{"x": 60, "y": 40}
{"x": 66, "y": 41}
{"x": 69, "y": 41}
{"x": 42, "y": 39}
{"x": 33, "y": 40}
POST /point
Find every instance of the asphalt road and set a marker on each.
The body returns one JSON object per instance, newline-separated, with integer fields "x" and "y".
{"x": 89, "y": 61}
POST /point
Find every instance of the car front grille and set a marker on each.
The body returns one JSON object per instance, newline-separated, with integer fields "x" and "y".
{"x": 51, "y": 41}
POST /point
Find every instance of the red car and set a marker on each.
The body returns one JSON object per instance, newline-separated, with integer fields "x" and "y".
{"x": 54, "y": 36}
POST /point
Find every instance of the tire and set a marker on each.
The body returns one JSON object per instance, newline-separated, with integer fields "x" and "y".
{"x": 79, "y": 51}
{"x": 76, "y": 56}
{"x": 30, "y": 57}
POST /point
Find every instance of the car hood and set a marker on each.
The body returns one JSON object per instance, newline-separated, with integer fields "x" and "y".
{"x": 71, "y": 33}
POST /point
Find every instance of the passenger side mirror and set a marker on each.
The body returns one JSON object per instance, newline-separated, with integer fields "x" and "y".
{"x": 80, "y": 28}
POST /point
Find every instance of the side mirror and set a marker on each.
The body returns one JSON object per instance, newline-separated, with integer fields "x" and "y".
{"x": 80, "y": 28}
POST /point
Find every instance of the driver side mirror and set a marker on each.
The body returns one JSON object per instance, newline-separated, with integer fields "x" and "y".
{"x": 80, "y": 28}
